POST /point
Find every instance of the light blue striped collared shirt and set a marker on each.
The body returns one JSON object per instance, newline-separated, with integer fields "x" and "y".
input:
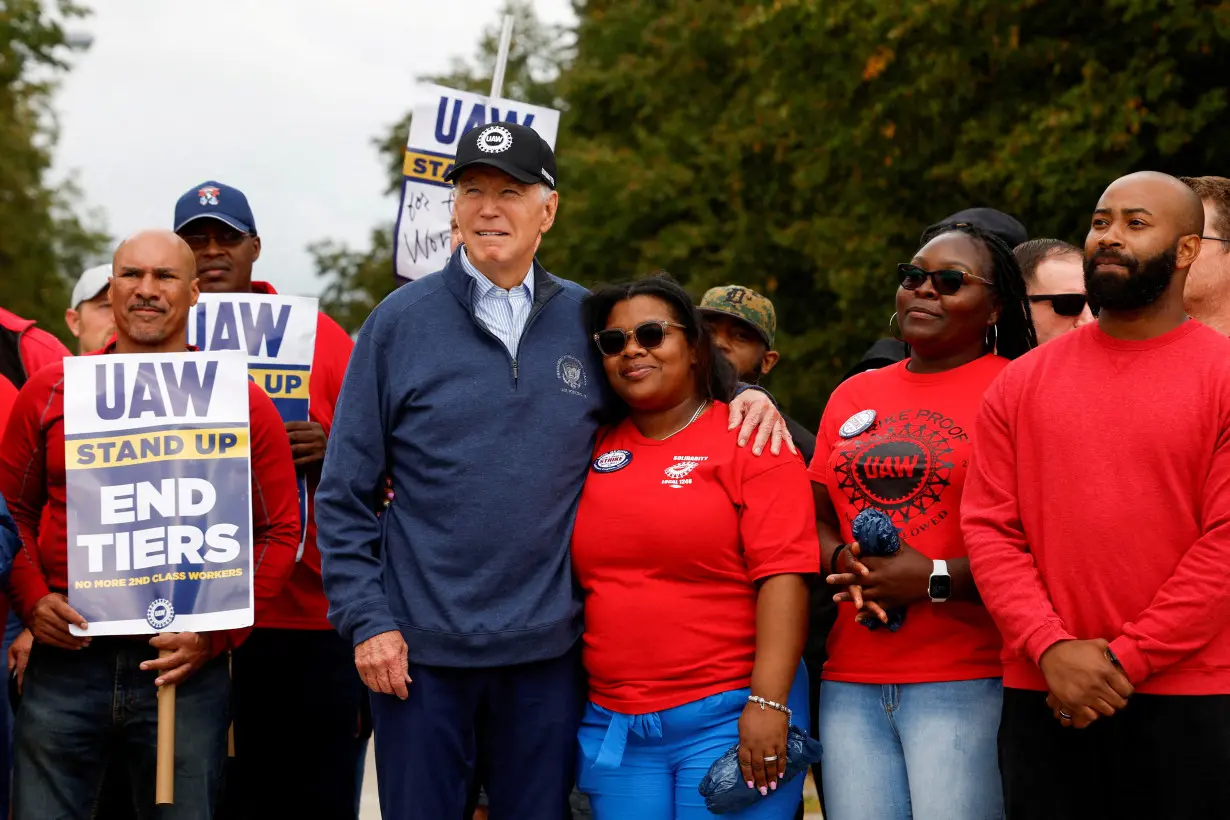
{"x": 503, "y": 312}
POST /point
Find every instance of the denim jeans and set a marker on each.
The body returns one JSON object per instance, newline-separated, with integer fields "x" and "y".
{"x": 81, "y": 710}
{"x": 656, "y": 775}
{"x": 920, "y": 751}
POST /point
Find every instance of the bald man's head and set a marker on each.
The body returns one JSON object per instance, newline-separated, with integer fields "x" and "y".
{"x": 1146, "y": 229}
{"x": 153, "y": 286}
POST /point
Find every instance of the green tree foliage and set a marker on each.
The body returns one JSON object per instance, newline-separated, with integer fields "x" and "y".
{"x": 801, "y": 146}
{"x": 358, "y": 279}
{"x": 42, "y": 241}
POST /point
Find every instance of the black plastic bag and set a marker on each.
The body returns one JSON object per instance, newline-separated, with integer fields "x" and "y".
{"x": 724, "y": 789}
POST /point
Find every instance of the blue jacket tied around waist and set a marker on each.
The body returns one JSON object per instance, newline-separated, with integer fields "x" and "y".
{"x": 487, "y": 455}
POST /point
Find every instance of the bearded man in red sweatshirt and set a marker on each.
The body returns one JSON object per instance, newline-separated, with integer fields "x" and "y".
{"x": 1097, "y": 518}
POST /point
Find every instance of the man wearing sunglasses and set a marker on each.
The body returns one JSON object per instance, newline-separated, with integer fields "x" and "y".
{"x": 1207, "y": 294}
{"x": 1055, "y": 281}
{"x": 296, "y": 743}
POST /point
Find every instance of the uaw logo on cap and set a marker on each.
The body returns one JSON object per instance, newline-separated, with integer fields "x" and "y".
{"x": 208, "y": 195}
{"x": 857, "y": 423}
{"x": 495, "y": 140}
{"x": 160, "y": 613}
{"x": 612, "y": 461}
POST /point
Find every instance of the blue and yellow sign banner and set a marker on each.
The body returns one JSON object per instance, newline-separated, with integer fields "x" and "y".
{"x": 158, "y": 483}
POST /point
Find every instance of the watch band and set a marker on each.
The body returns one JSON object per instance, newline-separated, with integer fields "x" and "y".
{"x": 939, "y": 568}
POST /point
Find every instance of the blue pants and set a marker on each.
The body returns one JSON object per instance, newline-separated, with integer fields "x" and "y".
{"x": 83, "y": 709}
{"x": 920, "y": 751}
{"x": 648, "y": 767}
{"x": 518, "y": 724}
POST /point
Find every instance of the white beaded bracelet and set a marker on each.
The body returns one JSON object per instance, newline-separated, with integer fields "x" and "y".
{"x": 771, "y": 704}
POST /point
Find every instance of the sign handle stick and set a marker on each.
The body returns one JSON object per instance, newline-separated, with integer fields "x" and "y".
{"x": 164, "y": 789}
{"x": 501, "y": 60}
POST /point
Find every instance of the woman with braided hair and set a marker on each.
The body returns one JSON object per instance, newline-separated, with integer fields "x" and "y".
{"x": 910, "y": 704}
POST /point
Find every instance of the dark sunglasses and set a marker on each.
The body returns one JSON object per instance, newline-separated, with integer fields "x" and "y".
{"x": 945, "y": 282}
{"x": 1064, "y": 304}
{"x": 613, "y": 340}
{"x": 225, "y": 237}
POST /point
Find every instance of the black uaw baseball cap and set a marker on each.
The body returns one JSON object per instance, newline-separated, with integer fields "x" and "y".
{"x": 515, "y": 149}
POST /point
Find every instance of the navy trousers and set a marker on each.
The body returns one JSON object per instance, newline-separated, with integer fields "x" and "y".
{"x": 518, "y": 724}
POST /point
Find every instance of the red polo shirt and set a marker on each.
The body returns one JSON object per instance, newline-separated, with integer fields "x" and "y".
{"x": 302, "y": 604}
{"x": 32, "y": 476}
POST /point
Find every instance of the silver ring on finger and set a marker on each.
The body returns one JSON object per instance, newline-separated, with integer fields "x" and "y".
{"x": 771, "y": 759}
{"x": 1064, "y": 715}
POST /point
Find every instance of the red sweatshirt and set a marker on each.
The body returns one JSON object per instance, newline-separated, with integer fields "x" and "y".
{"x": 1098, "y": 506}
{"x": 32, "y": 475}
{"x": 302, "y": 605}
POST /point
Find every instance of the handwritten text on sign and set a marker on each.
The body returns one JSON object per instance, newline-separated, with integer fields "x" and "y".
{"x": 156, "y": 457}
{"x": 441, "y": 117}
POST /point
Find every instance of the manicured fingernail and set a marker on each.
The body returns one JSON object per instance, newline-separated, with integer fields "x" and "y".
{"x": 780, "y": 776}
{"x": 751, "y": 785}
{"x": 764, "y": 792}
{"x": 144, "y": 666}
{"x": 742, "y": 441}
{"x": 757, "y": 450}
{"x": 159, "y": 682}
{"x": 773, "y": 785}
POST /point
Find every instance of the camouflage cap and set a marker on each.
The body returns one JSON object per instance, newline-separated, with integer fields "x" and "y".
{"x": 743, "y": 303}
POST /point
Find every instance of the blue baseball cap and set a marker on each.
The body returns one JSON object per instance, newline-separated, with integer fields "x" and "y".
{"x": 213, "y": 200}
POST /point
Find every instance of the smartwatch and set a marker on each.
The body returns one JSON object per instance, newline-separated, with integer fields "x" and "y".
{"x": 939, "y": 585}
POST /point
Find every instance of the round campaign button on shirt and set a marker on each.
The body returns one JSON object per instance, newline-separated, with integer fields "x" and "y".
{"x": 612, "y": 461}
{"x": 857, "y": 423}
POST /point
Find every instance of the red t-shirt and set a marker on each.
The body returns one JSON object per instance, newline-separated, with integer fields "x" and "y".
{"x": 1098, "y": 506}
{"x": 911, "y": 464}
{"x": 302, "y": 604}
{"x": 669, "y": 539}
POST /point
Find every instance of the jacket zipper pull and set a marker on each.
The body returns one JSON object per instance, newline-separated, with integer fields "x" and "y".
{"x": 514, "y": 369}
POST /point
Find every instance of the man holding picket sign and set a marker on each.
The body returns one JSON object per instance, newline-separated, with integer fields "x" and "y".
{"x": 295, "y": 746}
{"x": 214, "y": 546}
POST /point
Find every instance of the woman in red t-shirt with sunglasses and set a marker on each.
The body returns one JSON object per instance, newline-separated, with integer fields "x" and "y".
{"x": 692, "y": 554}
{"x": 908, "y": 716}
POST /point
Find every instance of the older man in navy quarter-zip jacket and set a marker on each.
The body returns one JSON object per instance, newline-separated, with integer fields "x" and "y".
{"x": 478, "y": 390}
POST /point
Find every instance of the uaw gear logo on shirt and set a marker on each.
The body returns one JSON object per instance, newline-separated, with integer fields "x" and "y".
{"x": 209, "y": 195}
{"x": 676, "y": 474}
{"x": 902, "y": 466}
{"x": 572, "y": 373}
{"x": 495, "y": 140}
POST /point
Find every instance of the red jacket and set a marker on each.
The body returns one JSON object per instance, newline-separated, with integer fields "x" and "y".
{"x": 32, "y": 476}
{"x": 37, "y": 347}
{"x": 302, "y": 605}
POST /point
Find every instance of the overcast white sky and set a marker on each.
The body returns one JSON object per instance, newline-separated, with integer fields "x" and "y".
{"x": 280, "y": 98}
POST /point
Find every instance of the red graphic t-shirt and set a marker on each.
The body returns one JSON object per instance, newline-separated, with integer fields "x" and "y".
{"x": 910, "y": 463}
{"x": 669, "y": 539}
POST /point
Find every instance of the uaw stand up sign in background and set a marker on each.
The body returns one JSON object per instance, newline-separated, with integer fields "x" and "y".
{"x": 278, "y": 335}
{"x": 158, "y": 474}
{"x": 441, "y": 116}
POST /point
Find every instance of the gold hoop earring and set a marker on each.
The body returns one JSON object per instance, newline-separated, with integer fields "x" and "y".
{"x": 895, "y": 332}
